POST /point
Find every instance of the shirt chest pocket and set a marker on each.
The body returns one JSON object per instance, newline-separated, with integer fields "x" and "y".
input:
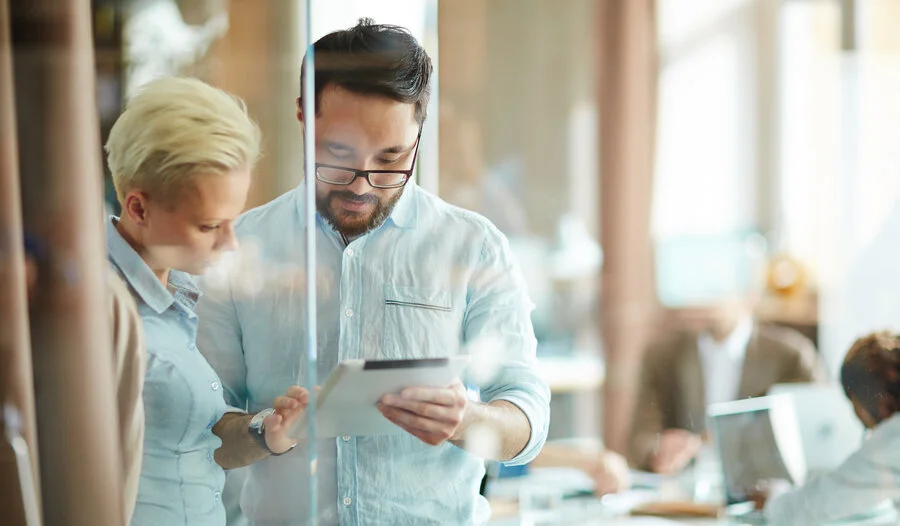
{"x": 419, "y": 323}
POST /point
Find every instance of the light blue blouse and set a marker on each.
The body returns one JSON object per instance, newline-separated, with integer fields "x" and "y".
{"x": 180, "y": 483}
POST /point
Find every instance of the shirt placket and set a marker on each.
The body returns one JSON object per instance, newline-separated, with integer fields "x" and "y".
{"x": 348, "y": 348}
{"x": 189, "y": 321}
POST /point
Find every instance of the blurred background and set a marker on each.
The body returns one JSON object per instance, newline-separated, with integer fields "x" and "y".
{"x": 752, "y": 145}
{"x": 648, "y": 161}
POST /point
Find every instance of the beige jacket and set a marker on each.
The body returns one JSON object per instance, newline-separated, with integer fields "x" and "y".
{"x": 672, "y": 387}
{"x": 130, "y": 354}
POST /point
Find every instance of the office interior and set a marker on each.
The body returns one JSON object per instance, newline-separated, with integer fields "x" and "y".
{"x": 651, "y": 163}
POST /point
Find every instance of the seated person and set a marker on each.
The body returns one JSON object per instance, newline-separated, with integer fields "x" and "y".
{"x": 871, "y": 378}
{"x": 714, "y": 356}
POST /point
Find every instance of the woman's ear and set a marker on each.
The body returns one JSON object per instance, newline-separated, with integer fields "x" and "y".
{"x": 135, "y": 207}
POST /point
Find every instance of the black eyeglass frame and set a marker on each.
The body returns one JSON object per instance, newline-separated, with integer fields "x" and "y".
{"x": 367, "y": 173}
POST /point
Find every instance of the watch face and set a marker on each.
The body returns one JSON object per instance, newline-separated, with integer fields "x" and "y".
{"x": 256, "y": 423}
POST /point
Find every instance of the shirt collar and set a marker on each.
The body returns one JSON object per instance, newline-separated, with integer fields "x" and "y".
{"x": 735, "y": 344}
{"x": 405, "y": 212}
{"x": 404, "y": 215}
{"x": 144, "y": 282}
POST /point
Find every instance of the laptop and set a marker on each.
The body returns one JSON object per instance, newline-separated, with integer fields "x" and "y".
{"x": 757, "y": 439}
{"x": 829, "y": 429}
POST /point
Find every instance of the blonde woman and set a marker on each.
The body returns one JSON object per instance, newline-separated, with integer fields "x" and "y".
{"x": 181, "y": 156}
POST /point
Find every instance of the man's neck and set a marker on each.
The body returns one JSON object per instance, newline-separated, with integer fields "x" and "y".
{"x": 724, "y": 330}
{"x": 721, "y": 331}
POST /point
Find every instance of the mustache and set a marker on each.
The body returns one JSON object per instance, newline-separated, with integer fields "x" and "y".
{"x": 347, "y": 195}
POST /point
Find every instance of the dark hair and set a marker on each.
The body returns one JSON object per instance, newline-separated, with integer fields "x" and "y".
{"x": 374, "y": 59}
{"x": 871, "y": 374}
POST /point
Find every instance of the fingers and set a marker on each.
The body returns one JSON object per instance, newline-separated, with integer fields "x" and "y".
{"x": 297, "y": 392}
{"x": 295, "y": 397}
{"x": 413, "y": 420}
{"x": 273, "y": 423}
{"x": 427, "y": 431}
{"x": 431, "y": 415}
{"x": 284, "y": 403}
{"x": 425, "y": 409}
{"x": 447, "y": 397}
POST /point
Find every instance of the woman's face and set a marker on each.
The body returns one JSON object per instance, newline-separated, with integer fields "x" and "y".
{"x": 192, "y": 233}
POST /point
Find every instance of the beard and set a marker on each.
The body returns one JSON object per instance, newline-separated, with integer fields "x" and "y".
{"x": 353, "y": 224}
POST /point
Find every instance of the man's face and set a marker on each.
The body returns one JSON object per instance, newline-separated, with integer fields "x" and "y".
{"x": 364, "y": 132}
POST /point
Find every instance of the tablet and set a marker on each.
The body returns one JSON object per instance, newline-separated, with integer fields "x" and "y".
{"x": 347, "y": 403}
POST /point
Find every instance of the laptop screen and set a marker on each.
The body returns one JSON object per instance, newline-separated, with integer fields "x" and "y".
{"x": 749, "y": 452}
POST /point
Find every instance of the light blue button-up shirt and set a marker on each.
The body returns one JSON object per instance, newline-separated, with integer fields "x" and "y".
{"x": 432, "y": 281}
{"x": 180, "y": 483}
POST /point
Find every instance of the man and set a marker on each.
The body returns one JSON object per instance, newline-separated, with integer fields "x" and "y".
{"x": 401, "y": 275}
{"x": 717, "y": 356}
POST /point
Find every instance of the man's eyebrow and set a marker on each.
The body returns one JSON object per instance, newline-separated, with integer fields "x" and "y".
{"x": 399, "y": 149}
{"x": 335, "y": 145}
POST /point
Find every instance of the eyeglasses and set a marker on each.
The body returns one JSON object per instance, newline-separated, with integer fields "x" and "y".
{"x": 341, "y": 175}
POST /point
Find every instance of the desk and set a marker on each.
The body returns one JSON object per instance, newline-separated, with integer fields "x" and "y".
{"x": 589, "y": 511}
{"x": 544, "y": 489}
{"x": 582, "y": 513}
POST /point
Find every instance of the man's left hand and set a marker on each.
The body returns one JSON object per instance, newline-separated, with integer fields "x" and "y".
{"x": 432, "y": 415}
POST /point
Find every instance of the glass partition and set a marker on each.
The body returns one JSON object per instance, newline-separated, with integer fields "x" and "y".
{"x": 584, "y": 232}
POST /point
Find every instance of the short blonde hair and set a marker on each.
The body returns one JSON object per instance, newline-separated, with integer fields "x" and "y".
{"x": 174, "y": 129}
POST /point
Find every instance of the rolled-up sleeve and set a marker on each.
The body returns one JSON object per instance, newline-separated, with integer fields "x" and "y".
{"x": 219, "y": 339}
{"x": 499, "y": 332}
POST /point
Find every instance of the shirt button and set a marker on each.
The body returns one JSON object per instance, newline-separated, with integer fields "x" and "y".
{"x": 217, "y": 496}
{"x": 349, "y": 252}
{"x": 348, "y": 313}
{"x": 346, "y": 438}
{"x": 215, "y": 386}
{"x": 192, "y": 347}
{"x": 209, "y": 456}
{"x": 348, "y": 501}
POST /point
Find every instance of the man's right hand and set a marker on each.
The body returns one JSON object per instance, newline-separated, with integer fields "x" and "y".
{"x": 677, "y": 447}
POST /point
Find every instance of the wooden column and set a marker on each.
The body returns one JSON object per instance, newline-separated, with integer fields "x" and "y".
{"x": 59, "y": 154}
{"x": 462, "y": 97}
{"x": 242, "y": 62}
{"x": 16, "y": 377}
{"x": 627, "y": 103}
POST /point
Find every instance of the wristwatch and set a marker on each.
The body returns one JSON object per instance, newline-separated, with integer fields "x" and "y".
{"x": 257, "y": 430}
